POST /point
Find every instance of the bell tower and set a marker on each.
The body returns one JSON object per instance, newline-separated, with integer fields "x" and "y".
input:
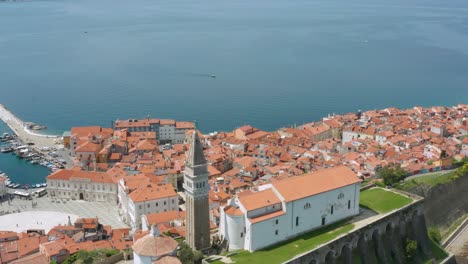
{"x": 196, "y": 191}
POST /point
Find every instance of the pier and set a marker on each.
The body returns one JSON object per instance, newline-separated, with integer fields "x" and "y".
{"x": 20, "y": 128}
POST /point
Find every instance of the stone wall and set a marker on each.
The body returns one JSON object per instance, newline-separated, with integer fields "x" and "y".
{"x": 382, "y": 241}
{"x": 444, "y": 203}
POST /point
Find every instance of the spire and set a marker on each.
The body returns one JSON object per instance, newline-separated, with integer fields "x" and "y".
{"x": 195, "y": 155}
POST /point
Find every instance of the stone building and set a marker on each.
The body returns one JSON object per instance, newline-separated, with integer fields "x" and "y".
{"x": 82, "y": 185}
{"x": 196, "y": 190}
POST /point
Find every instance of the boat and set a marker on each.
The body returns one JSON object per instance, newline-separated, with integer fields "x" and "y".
{"x": 44, "y": 184}
{"x": 6, "y": 150}
{"x": 213, "y": 76}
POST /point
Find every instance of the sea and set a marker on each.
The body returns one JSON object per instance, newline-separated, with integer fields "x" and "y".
{"x": 225, "y": 63}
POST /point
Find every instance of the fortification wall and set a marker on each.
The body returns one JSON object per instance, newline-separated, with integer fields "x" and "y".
{"x": 381, "y": 241}
{"x": 444, "y": 203}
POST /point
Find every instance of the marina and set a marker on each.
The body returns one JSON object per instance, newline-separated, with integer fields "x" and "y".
{"x": 27, "y": 157}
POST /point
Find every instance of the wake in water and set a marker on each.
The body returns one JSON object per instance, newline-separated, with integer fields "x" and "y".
{"x": 200, "y": 75}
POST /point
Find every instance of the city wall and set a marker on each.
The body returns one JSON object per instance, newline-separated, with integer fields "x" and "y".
{"x": 382, "y": 241}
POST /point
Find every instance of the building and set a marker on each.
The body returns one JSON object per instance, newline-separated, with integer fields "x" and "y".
{"x": 167, "y": 130}
{"x": 290, "y": 207}
{"x": 196, "y": 191}
{"x": 154, "y": 247}
{"x": 148, "y": 199}
{"x": 3, "y": 190}
{"x": 82, "y": 185}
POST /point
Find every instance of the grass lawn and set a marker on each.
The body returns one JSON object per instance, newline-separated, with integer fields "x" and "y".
{"x": 428, "y": 180}
{"x": 287, "y": 250}
{"x": 382, "y": 201}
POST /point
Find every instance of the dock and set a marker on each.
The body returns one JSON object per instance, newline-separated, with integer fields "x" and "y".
{"x": 20, "y": 128}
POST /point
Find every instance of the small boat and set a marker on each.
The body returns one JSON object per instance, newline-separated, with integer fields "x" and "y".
{"x": 16, "y": 185}
{"x": 213, "y": 76}
{"x": 44, "y": 184}
{"x": 6, "y": 150}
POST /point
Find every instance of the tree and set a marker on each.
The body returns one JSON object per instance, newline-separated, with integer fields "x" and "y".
{"x": 392, "y": 175}
{"x": 185, "y": 254}
{"x": 411, "y": 249}
{"x": 443, "y": 154}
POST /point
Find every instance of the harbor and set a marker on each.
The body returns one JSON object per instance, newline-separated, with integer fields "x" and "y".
{"x": 27, "y": 157}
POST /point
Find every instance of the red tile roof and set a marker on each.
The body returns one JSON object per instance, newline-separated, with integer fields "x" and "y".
{"x": 316, "y": 182}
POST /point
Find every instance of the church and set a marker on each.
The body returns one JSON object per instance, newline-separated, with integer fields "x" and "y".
{"x": 289, "y": 207}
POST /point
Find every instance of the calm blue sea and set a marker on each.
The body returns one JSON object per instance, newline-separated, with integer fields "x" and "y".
{"x": 67, "y": 63}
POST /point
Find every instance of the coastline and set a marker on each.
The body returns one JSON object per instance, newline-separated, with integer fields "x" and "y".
{"x": 26, "y": 135}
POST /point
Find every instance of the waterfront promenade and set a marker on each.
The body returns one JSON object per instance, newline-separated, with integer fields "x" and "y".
{"x": 18, "y": 126}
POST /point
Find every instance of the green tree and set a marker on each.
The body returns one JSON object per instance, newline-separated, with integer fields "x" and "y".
{"x": 443, "y": 154}
{"x": 197, "y": 257}
{"x": 391, "y": 175}
{"x": 411, "y": 249}
{"x": 185, "y": 254}
{"x": 434, "y": 234}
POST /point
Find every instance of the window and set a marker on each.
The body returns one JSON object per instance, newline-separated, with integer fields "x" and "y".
{"x": 242, "y": 234}
{"x": 332, "y": 209}
{"x": 276, "y": 232}
{"x": 148, "y": 205}
{"x": 349, "y": 204}
{"x": 164, "y": 202}
{"x": 139, "y": 206}
{"x": 244, "y": 229}
{"x": 297, "y": 220}
{"x": 156, "y": 204}
{"x": 323, "y": 220}
{"x": 276, "y": 221}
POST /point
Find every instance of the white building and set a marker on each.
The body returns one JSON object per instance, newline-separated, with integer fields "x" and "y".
{"x": 145, "y": 198}
{"x": 82, "y": 185}
{"x": 167, "y": 130}
{"x": 290, "y": 207}
{"x": 155, "y": 249}
{"x": 3, "y": 190}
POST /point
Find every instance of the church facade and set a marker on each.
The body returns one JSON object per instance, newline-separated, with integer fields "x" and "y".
{"x": 290, "y": 207}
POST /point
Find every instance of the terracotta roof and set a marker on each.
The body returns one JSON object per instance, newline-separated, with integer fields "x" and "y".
{"x": 266, "y": 217}
{"x": 152, "y": 192}
{"x": 101, "y": 177}
{"x": 259, "y": 200}
{"x": 185, "y": 125}
{"x": 316, "y": 182}
{"x": 88, "y": 147}
{"x": 36, "y": 258}
{"x": 155, "y": 246}
{"x": 231, "y": 210}
{"x": 164, "y": 217}
{"x": 167, "y": 260}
